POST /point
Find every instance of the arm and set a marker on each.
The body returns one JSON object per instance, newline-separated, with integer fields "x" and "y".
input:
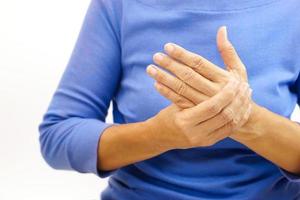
{"x": 75, "y": 119}
{"x": 174, "y": 128}
{"x": 274, "y": 137}
{"x": 125, "y": 144}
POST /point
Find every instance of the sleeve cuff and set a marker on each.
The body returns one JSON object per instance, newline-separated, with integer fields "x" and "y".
{"x": 83, "y": 147}
{"x": 290, "y": 176}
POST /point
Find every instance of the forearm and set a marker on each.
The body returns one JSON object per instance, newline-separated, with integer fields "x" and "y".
{"x": 274, "y": 137}
{"x": 124, "y": 144}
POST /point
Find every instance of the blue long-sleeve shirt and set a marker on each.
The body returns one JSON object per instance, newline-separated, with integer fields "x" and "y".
{"x": 108, "y": 63}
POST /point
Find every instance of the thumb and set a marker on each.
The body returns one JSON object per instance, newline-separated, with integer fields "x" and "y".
{"x": 228, "y": 53}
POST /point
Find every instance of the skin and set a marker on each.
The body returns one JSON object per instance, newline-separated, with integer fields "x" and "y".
{"x": 177, "y": 128}
{"x": 196, "y": 79}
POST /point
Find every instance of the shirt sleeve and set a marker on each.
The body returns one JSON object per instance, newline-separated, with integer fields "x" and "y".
{"x": 75, "y": 119}
{"x": 290, "y": 176}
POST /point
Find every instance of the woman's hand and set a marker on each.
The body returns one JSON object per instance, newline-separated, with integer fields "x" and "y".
{"x": 196, "y": 79}
{"x": 174, "y": 127}
{"x": 208, "y": 122}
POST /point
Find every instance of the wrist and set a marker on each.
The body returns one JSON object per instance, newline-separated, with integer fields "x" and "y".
{"x": 158, "y": 136}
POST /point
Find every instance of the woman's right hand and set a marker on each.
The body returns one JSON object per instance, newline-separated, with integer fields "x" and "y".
{"x": 175, "y": 127}
{"x": 206, "y": 123}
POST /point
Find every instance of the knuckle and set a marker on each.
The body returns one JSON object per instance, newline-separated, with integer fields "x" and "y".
{"x": 214, "y": 108}
{"x": 181, "y": 87}
{"x": 197, "y": 61}
{"x": 227, "y": 114}
{"x": 188, "y": 75}
{"x": 180, "y": 101}
{"x": 209, "y": 73}
{"x": 230, "y": 94}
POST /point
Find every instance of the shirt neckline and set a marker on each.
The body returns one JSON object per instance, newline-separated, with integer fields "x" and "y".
{"x": 207, "y": 5}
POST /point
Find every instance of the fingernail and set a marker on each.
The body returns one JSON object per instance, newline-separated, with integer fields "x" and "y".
{"x": 157, "y": 85}
{"x": 250, "y": 92}
{"x": 225, "y": 32}
{"x": 151, "y": 70}
{"x": 158, "y": 57}
{"x": 169, "y": 47}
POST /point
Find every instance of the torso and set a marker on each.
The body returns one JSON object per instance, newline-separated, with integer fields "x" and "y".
{"x": 267, "y": 39}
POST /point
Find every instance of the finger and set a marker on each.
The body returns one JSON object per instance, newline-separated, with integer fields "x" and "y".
{"x": 195, "y": 61}
{"x": 176, "y": 85}
{"x": 214, "y": 105}
{"x": 186, "y": 74}
{"x": 228, "y": 113}
{"x": 229, "y": 54}
{"x": 172, "y": 96}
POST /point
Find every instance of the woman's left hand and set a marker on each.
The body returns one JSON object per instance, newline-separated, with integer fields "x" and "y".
{"x": 268, "y": 134}
{"x": 196, "y": 79}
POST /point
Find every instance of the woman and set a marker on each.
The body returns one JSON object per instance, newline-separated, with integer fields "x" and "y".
{"x": 208, "y": 139}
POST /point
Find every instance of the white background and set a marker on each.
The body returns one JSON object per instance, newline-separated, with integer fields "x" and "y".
{"x": 36, "y": 40}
